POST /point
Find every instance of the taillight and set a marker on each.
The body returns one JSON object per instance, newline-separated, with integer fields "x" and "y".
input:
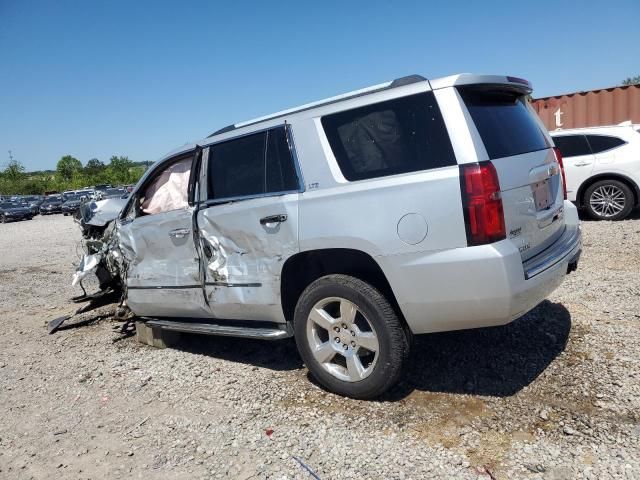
{"x": 558, "y": 155}
{"x": 482, "y": 203}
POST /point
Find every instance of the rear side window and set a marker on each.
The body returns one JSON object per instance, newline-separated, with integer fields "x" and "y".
{"x": 281, "y": 174}
{"x": 252, "y": 165}
{"x": 600, "y": 143}
{"x": 572, "y": 145}
{"x": 505, "y": 124}
{"x": 397, "y": 136}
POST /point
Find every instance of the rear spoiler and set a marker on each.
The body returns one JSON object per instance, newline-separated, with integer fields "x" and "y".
{"x": 513, "y": 83}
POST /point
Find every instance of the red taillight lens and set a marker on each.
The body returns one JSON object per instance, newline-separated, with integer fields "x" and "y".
{"x": 482, "y": 203}
{"x": 558, "y": 155}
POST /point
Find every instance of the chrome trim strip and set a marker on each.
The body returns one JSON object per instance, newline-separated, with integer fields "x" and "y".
{"x": 222, "y": 330}
{"x": 183, "y": 287}
{"x": 568, "y": 243}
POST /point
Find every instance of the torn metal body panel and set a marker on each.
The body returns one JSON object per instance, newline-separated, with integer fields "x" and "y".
{"x": 244, "y": 251}
{"x": 100, "y": 213}
{"x": 98, "y": 223}
{"x": 163, "y": 278}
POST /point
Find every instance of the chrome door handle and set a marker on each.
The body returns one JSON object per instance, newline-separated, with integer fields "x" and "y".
{"x": 582, "y": 164}
{"x": 179, "y": 232}
{"x": 273, "y": 219}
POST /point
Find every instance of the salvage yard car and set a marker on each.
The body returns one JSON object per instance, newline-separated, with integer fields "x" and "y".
{"x": 34, "y": 202}
{"x": 352, "y": 224}
{"x": 11, "y": 211}
{"x": 71, "y": 204}
{"x": 51, "y": 204}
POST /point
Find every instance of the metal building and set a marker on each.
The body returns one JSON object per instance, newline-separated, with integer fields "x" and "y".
{"x": 607, "y": 106}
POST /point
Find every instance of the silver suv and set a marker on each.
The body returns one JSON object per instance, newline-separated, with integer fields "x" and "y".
{"x": 352, "y": 223}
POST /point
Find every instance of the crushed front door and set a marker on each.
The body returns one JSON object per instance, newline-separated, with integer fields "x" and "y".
{"x": 162, "y": 277}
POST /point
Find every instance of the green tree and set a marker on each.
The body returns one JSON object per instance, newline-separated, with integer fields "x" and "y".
{"x": 94, "y": 167}
{"x": 68, "y": 166}
{"x": 14, "y": 171}
{"x": 631, "y": 80}
{"x": 120, "y": 170}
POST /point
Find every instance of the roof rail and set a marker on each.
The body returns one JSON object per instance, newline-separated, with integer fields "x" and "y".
{"x": 398, "y": 82}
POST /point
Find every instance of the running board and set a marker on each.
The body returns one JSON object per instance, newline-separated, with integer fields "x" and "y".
{"x": 264, "y": 333}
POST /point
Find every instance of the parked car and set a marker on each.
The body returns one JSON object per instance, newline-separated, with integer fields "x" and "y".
{"x": 71, "y": 204}
{"x": 113, "y": 193}
{"x": 351, "y": 224}
{"x": 11, "y": 211}
{"x": 602, "y": 166}
{"x": 51, "y": 204}
{"x": 34, "y": 202}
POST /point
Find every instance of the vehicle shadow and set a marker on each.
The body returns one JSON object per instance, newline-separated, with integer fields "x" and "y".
{"x": 274, "y": 355}
{"x": 497, "y": 361}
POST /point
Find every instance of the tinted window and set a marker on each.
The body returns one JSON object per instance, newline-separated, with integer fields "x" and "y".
{"x": 600, "y": 143}
{"x": 281, "y": 174}
{"x": 398, "y": 136}
{"x": 252, "y": 165}
{"x": 237, "y": 167}
{"x": 505, "y": 124}
{"x": 572, "y": 145}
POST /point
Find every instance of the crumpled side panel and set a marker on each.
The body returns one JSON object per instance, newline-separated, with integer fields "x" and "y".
{"x": 244, "y": 258}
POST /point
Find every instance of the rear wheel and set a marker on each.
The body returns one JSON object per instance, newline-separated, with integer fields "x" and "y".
{"x": 350, "y": 337}
{"x": 608, "y": 200}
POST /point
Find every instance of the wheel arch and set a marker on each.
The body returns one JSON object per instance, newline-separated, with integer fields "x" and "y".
{"x": 301, "y": 269}
{"x": 608, "y": 176}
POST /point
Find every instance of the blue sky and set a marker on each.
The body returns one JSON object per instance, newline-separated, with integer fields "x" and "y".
{"x": 95, "y": 79}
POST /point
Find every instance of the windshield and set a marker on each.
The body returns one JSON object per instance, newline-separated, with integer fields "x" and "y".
{"x": 51, "y": 199}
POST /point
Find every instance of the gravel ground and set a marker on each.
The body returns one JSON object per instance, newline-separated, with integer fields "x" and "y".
{"x": 554, "y": 395}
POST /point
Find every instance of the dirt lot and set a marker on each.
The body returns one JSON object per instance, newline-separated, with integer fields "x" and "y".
{"x": 554, "y": 395}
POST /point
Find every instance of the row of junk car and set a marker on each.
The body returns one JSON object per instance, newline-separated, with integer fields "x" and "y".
{"x": 354, "y": 223}
{"x": 25, "y": 207}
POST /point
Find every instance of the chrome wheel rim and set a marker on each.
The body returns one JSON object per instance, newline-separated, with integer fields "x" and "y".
{"x": 607, "y": 200}
{"x": 342, "y": 340}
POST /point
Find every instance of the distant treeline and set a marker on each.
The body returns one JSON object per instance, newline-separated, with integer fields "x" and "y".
{"x": 69, "y": 174}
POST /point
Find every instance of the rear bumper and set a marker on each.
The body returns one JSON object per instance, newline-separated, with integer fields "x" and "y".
{"x": 480, "y": 286}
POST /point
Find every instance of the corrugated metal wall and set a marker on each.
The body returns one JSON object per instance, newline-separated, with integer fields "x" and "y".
{"x": 608, "y": 106}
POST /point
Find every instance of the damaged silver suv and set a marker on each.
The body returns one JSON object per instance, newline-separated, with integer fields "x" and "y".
{"x": 352, "y": 224}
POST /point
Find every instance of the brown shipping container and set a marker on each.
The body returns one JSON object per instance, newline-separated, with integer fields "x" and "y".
{"x": 608, "y": 106}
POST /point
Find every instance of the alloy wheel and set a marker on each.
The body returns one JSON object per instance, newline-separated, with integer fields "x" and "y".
{"x": 607, "y": 200}
{"x": 342, "y": 339}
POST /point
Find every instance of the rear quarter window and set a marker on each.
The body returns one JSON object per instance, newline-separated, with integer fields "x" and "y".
{"x": 505, "y": 124}
{"x": 601, "y": 143}
{"x": 397, "y": 136}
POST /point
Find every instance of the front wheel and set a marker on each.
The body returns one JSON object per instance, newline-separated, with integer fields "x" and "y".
{"x": 608, "y": 200}
{"x": 350, "y": 337}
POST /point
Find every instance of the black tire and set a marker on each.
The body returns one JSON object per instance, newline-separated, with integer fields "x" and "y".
{"x": 3, "y": 219}
{"x": 594, "y": 193}
{"x": 393, "y": 340}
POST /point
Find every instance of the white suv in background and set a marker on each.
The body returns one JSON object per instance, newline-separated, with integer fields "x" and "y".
{"x": 602, "y": 165}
